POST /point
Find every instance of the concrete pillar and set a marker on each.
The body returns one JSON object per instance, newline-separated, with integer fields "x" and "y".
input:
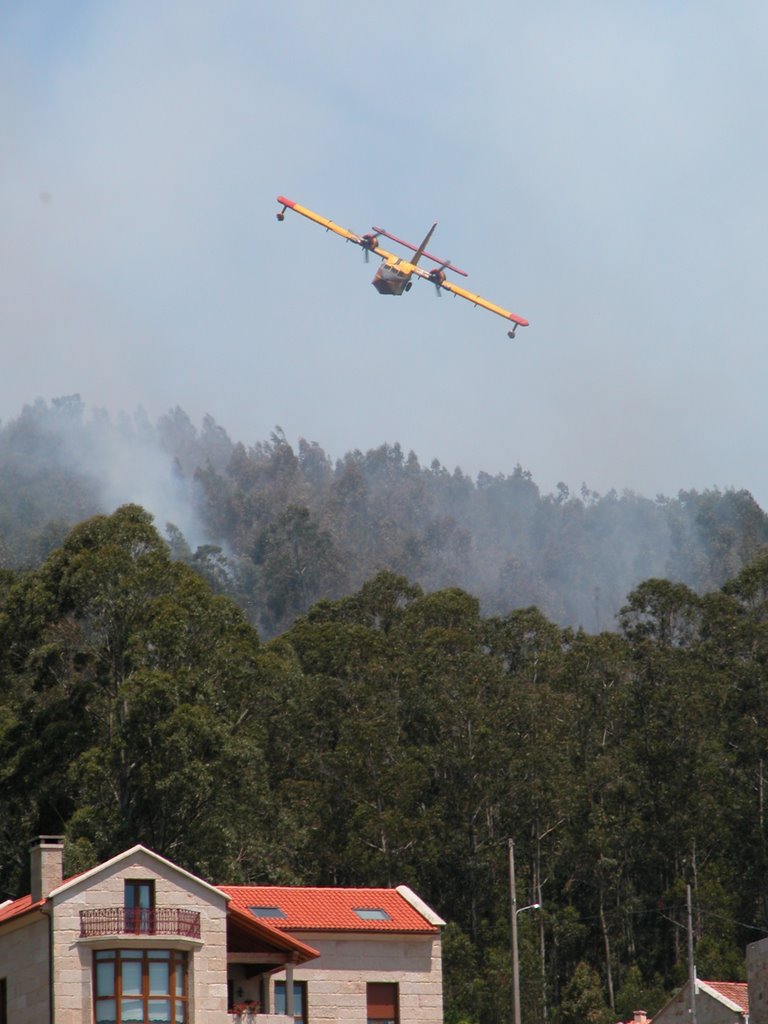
{"x": 289, "y": 989}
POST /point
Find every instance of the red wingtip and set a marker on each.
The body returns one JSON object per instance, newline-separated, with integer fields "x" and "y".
{"x": 286, "y": 202}
{"x": 518, "y": 320}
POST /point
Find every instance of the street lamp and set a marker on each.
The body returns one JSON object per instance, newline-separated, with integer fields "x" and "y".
{"x": 514, "y": 911}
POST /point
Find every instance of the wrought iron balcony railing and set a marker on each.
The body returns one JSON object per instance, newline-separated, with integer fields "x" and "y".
{"x": 130, "y": 921}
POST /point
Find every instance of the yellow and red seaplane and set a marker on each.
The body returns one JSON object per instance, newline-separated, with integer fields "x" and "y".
{"x": 393, "y": 276}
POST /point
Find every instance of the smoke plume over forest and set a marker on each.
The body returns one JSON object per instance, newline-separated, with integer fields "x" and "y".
{"x": 279, "y": 526}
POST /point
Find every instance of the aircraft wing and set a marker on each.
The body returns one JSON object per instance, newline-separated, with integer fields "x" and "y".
{"x": 476, "y": 300}
{"x": 330, "y": 226}
{"x": 366, "y": 242}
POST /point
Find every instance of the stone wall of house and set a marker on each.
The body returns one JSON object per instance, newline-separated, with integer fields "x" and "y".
{"x": 757, "y": 981}
{"x": 336, "y": 981}
{"x": 73, "y": 956}
{"x": 24, "y": 965}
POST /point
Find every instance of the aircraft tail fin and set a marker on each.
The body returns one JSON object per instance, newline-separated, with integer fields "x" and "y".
{"x": 423, "y": 246}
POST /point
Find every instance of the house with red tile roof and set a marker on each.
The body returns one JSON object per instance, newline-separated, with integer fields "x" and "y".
{"x": 137, "y": 938}
{"x": 379, "y": 953}
{"x": 717, "y": 1002}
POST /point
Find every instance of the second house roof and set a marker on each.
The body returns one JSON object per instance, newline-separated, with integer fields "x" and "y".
{"x": 308, "y": 908}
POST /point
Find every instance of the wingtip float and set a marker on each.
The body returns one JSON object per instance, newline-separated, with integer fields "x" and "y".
{"x": 394, "y": 273}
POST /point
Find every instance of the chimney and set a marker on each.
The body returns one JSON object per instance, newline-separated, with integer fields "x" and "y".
{"x": 46, "y": 858}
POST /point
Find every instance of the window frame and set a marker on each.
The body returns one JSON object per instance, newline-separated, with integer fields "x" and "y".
{"x": 373, "y": 998}
{"x": 302, "y": 986}
{"x": 139, "y": 920}
{"x": 145, "y": 958}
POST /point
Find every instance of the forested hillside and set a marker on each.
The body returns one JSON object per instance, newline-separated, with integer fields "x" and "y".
{"x": 278, "y": 527}
{"x": 398, "y": 735}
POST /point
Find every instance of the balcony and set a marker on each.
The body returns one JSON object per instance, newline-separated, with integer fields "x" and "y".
{"x": 106, "y": 921}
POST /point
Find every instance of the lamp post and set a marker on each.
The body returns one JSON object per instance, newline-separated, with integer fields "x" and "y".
{"x": 513, "y": 912}
{"x": 691, "y": 963}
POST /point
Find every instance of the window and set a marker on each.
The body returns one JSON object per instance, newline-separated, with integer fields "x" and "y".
{"x": 299, "y": 1000}
{"x": 266, "y": 911}
{"x": 371, "y": 914}
{"x": 140, "y": 986}
{"x": 382, "y": 999}
{"x": 3, "y": 1001}
{"x": 139, "y": 903}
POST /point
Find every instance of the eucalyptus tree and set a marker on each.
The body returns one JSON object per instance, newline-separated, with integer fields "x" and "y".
{"x": 136, "y": 700}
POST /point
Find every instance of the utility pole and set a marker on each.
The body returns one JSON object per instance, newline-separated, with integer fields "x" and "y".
{"x": 513, "y": 924}
{"x": 691, "y": 964}
{"x": 513, "y": 912}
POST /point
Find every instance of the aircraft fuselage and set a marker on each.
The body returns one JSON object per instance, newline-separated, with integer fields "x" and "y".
{"x": 393, "y": 277}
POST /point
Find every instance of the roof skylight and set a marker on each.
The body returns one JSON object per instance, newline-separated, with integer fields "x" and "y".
{"x": 371, "y": 913}
{"x": 267, "y": 911}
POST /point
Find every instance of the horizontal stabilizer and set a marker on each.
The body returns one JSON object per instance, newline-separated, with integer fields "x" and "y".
{"x": 445, "y": 264}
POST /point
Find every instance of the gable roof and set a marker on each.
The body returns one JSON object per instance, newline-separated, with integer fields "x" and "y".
{"x": 735, "y": 994}
{"x": 317, "y": 909}
{"x": 127, "y": 854}
{"x": 23, "y": 905}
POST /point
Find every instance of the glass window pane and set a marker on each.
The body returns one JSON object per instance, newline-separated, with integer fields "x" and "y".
{"x": 180, "y": 1018}
{"x": 138, "y": 895}
{"x": 159, "y": 954}
{"x": 132, "y": 1011}
{"x": 371, "y": 914}
{"x": 266, "y": 911}
{"x": 105, "y": 954}
{"x": 279, "y": 997}
{"x": 105, "y": 979}
{"x": 131, "y": 979}
{"x": 131, "y": 954}
{"x": 105, "y": 1011}
{"x": 159, "y": 979}
{"x": 179, "y": 980}
{"x": 159, "y": 1011}
{"x": 298, "y": 998}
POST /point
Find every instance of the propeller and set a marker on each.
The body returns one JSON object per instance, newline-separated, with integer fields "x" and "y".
{"x": 437, "y": 277}
{"x": 368, "y": 242}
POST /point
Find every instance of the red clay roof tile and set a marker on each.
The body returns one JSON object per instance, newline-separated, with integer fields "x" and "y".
{"x": 736, "y": 991}
{"x": 326, "y": 909}
{"x": 18, "y": 907}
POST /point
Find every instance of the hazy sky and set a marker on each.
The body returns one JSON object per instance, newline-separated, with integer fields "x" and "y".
{"x": 598, "y": 167}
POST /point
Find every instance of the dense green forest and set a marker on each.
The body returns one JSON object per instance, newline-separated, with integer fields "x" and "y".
{"x": 278, "y": 527}
{"x": 399, "y": 735}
